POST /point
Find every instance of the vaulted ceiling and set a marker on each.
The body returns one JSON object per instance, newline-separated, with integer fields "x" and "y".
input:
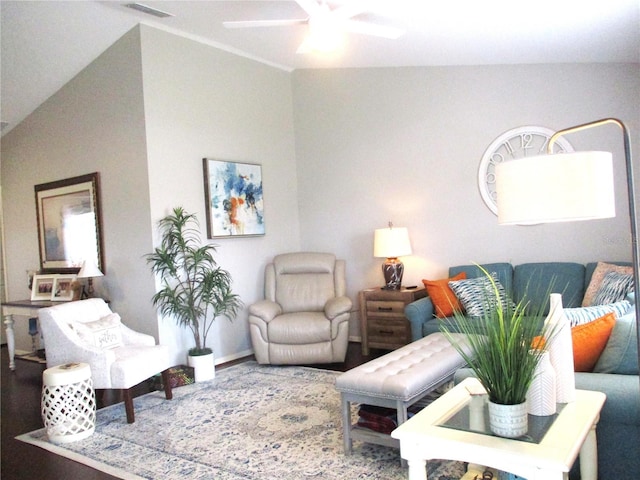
{"x": 45, "y": 43}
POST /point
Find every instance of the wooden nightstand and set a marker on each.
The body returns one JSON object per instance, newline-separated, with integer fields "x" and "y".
{"x": 382, "y": 321}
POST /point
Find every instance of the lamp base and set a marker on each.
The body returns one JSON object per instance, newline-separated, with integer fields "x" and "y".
{"x": 392, "y": 270}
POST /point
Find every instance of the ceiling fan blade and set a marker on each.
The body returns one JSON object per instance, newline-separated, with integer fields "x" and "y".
{"x": 350, "y": 9}
{"x": 310, "y": 6}
{"x": 264, "y": 23}
{"x": 364, "y": 28}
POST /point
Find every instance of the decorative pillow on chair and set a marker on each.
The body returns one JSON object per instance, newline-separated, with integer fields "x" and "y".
{"x": 477, "y": 295}
{"x": 104, "y": 333}
{"x": 590, "y": 340}
{"x": 598, "y": 276}
{"x": 615, "y": 287}
{"x": 444, "y": 300}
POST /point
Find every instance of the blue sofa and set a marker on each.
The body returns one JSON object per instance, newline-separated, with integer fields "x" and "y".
{"x": 619, "y": 427}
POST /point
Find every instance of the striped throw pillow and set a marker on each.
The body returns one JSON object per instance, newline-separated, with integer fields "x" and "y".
{"x": 582, "y": 315}
{"x": 477, "y": 295}
{"x": 615, "y": 287}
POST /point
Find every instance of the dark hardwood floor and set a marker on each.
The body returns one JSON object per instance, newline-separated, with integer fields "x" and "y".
{"x": 20, "y": 398}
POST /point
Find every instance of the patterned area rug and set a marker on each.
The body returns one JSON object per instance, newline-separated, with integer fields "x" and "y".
{"x": 252, "y": 422}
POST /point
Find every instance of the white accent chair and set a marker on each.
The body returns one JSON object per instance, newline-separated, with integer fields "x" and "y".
{"x": 87, "y": 331}
{"x": 304, "y": 318}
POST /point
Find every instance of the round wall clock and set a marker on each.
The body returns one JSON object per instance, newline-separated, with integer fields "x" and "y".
{"x": 518, "y": 142}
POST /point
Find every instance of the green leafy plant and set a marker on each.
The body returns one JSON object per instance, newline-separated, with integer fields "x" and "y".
{"x": 195, "y": 290}
{"x": 503, "y": 350}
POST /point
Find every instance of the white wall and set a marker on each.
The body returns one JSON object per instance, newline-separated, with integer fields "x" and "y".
{"x": 95, "y": 123}
{"x": 203, "y": 102}
{"x": 404, "y": 145}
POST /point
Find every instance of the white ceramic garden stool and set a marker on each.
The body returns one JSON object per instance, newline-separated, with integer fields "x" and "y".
{"x": 68, "y": 402}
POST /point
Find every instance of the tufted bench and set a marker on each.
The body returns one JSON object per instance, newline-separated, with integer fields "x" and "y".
{"x": 396, "y": 380}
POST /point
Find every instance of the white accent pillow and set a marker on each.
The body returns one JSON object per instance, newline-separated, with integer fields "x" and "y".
{"x": 104, "y": 333}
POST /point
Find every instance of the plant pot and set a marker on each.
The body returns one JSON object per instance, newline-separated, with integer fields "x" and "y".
{"x": 203, "y": 366}
{"x": 509, "y": 421}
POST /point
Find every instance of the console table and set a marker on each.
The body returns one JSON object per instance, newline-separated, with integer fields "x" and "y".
{"x": 23, "y": 308}
{"x": 573, "y": 431}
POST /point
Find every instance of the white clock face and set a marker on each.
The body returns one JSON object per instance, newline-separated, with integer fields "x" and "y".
{"x": 515, "y": 143}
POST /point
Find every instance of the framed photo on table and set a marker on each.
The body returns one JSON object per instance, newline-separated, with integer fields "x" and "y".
{"x": 62, "y": 291}
{"x": 69, "y": 224}
{"x": 42, "y": 287}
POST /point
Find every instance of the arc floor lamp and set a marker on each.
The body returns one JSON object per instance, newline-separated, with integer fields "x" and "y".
{"x": 567, "y": 187}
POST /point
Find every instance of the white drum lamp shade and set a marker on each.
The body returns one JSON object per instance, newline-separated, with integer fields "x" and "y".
{"x": 555, "y": 188}
{"x": 391, "y": 243}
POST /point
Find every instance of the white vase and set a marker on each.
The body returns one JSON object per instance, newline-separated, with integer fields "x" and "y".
{"x": 541, "y": 397}
{"x": 203, "y": 366}
{"x": 509, "y": 421}
{"x": 560, "y": 349}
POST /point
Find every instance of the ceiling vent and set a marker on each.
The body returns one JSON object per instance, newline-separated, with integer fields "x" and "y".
{"x": 149, "y": 10}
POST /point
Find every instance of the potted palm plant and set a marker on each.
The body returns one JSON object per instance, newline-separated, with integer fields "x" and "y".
{"x": 195, "y": 290}
{"x": 503, "y": 351}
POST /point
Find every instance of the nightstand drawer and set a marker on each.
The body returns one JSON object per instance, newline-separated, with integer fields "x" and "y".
{"x": 387, "y": 330}
{"x": 375, "y": 307}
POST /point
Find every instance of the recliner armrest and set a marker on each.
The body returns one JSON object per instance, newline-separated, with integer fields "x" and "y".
{"x": 337, "y": 306}
{"x": 265, "y": 310}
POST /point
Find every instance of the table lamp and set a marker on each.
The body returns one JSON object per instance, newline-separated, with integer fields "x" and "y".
{"x": 391, "y": 243}
{"x": 567, "y": 187}
{"x": 89, "y": 270}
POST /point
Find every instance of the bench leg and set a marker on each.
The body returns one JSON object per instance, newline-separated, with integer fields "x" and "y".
{"x": 346, "y": 425}
{"x": 401, "y": 412}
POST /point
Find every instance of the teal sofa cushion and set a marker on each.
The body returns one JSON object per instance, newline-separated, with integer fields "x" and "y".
{"x": 533, "y": 282}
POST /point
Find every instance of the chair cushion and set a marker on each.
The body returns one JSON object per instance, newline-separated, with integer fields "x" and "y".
{"x": 300, "y": 328}
{"x": 103, "y": 333}
{"x": 135, "y": 364}
{"x": 304, "y": 281}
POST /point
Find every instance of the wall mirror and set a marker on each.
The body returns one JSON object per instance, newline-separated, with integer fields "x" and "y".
{"x": 69, "y": 224}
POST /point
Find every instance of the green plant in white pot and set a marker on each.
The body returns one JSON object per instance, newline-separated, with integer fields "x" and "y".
{"x": 500, "y": 353}
{"x": 195, "y": 289}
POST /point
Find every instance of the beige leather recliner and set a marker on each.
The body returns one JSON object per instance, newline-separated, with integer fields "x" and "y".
{"x": 304, "y": 317}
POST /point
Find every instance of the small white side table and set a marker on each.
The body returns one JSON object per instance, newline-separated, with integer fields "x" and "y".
{"x": 68, "y": 402}
{"x": 424, "y": 437}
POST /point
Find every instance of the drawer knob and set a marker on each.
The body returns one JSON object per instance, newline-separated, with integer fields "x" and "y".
{"x": 385, "y": 309}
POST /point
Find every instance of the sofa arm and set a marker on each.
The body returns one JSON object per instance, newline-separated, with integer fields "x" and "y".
{"x": 418, "y": 313}
{"x": 622, "y": 391}
{"x": 265, "y": 310}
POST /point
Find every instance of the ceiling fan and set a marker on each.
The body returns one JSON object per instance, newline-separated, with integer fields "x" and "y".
{"x": 326, "y": 26}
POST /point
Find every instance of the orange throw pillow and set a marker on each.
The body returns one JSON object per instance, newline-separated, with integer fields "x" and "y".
{"x": 589, "y": 341}
{"x": 444, "y": 300}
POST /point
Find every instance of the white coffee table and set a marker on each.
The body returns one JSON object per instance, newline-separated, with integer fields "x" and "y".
{"x": 423, "y": 437}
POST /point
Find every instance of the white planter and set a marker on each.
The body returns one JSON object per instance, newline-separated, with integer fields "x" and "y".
{"x": 508, "y": 421}
{"x": 203, "y": 366}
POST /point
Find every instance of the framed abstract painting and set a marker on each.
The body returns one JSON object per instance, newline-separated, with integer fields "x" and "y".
{"x": 234, "y": 199}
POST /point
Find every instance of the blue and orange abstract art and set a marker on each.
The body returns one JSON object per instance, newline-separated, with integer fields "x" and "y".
{"x": 234, "y": 198}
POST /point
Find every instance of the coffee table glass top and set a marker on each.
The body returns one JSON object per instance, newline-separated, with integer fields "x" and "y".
{"x": 474, "y": 417}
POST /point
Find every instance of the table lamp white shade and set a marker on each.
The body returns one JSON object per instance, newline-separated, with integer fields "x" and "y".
{"x": 89, "y": 270}
{"x": 555, "y": 188}
{"x": 391, "y": 242}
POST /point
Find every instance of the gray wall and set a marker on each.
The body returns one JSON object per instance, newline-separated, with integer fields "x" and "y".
{"x": 404, "y": 145}
{"x": 342, "y": 153}
{"x": 94, "y": 123}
